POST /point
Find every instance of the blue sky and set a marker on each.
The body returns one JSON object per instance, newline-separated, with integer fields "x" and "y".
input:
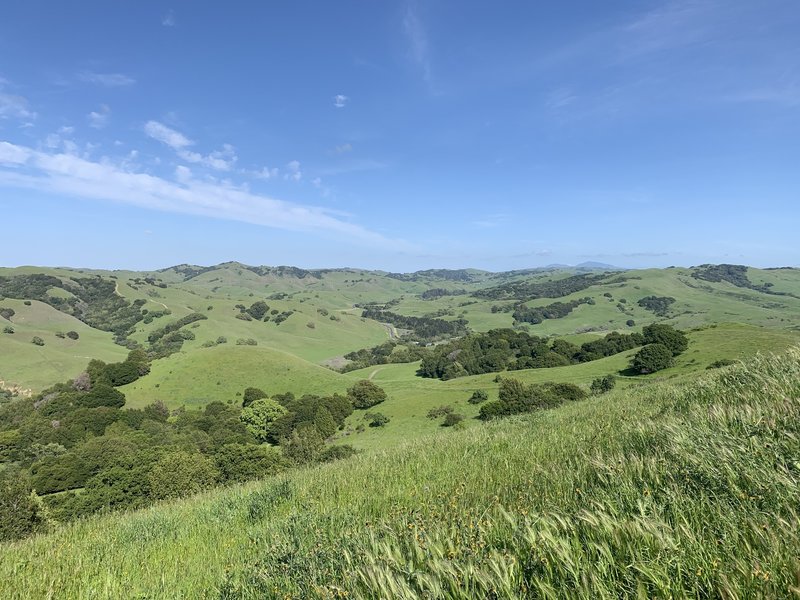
{"x": 400, "y": 135}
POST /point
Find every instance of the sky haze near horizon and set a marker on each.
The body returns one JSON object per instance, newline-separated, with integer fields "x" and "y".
{"x": 400, "y": 135}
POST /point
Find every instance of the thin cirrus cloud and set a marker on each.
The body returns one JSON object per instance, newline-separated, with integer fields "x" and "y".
{"x": 13, "y": 105}
{"x": 106, "y": 79}
{"x": 418, "y": 42}
{"x": 340, "y": 100}
{"x": 69, "y": 174}
{"x": 221, "y": 160}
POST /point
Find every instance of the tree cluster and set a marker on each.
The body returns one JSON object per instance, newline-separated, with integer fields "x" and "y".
{"x": 388, "y": 352}
{"x": 514, "y": 397}
{"x": 500, "y": 349}
{"x": 733, "y": 274}
{"x": 422, "y": 328}
{"x": 662, "y": 344}
{"x": 434, "y": 293}
{"x": 530, "y": 290}
{"x": 556, "y": 310}
{"x": 658, "y": 305}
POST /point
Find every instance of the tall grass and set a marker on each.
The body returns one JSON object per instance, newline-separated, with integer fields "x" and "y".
{"x": 670, "y": 492}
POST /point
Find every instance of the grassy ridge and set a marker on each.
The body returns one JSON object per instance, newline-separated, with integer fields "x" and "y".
{"x": 670, "y": 491}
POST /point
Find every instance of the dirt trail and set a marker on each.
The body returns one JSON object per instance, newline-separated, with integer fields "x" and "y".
{"x": 391, "y": 330}
{"x": 375, "y": 372}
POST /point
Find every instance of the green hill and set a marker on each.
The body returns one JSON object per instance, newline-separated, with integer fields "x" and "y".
{"x": 323, "y": 324}
{"x": 671, "y": 490}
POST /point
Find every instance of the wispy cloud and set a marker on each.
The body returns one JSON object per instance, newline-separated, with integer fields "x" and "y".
{"x": 168, "y": 20}
{"x": 489, "y": 221}
{"x": 107, "y": 180}
{"x": 221, "y": 160}
{"x": 166, "y": 135}
{"x": 352, "y": 166}
{"x": 106, "y": 79}
{"x": 12, "y": 105}
{"x": 343, "y": 148}
{"x": 787, "y": 96}
{"x": 340, "y": 100}
{"x": 99, "y": 118}
{"x": 418, "y": 42}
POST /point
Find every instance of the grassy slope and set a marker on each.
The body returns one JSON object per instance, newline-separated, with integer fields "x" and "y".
{"x": 698, "y": 303}
{"x": 659, "y": 492}
{"x": 221, "y": 289}
{"x": 39, "y": 366}
{"x": 222, "y": 372}
{"x": 410, "y": 397}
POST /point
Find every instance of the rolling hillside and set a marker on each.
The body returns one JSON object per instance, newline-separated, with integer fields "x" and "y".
{"x": 677, "y": 490}
{"x": 323, "y": 323}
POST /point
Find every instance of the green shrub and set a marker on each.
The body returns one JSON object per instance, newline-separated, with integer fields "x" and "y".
{"x": 652, "y": 358}
{"x": 37, "y": 340}
{"x": 180, "y": 473}
{"x": 22, "y": 512}
{"x": 601, "y": 385}
{"x": 366, "y": 394}
{"x": 440, "y": 411}
{"x": 478, "y": 396}
{"x": 376, "y": 419}
{"x": 452, "y": 419}
{"x": 666, "y": 335}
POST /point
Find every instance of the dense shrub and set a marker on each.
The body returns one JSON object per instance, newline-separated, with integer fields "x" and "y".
{"x": 366, "y": 394}
{"x": 652, "y": 358}
{"x": 514, "y": 397}
{"x": 452, "y": 419}
{"x": 666, "y": 335}
{"x": 601, "y": 385}
{"x": 181, "y": 473}
{"x": 376, "y": 419}
{"x": 478, "y": 396}
{"x": 243, "y": 462}
{"x": 303, "y": 446}
{"x": 22, "y": 512}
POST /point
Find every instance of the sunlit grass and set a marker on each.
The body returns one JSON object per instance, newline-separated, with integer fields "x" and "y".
{"x": 667, "y": 492}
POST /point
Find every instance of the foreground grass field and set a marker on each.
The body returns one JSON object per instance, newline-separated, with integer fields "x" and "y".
{"x": 678, "y": 489}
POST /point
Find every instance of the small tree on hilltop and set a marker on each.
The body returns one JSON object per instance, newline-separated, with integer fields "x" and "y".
{"x": 652, "y": 358}
{"x": 365, "y": 394}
